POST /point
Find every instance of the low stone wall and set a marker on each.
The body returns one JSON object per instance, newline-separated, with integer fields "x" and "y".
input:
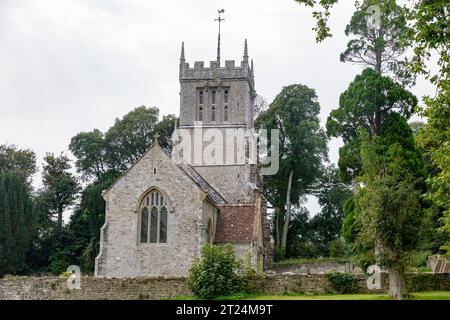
{"x": 314, "y": 267}
{"x": 54, "y": 288}
{"x": 314, "y": 284}
{"x": 43, "y": 288}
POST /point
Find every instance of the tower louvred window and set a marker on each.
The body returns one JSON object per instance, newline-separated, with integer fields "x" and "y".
{"x": 200, "y": 106}
{"x": 225, "y": 106}
{"x": 213, "y": 105}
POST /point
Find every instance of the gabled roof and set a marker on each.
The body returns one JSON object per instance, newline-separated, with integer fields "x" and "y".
{"x": 202, "y": 183}
{"x": 212, "y": 193}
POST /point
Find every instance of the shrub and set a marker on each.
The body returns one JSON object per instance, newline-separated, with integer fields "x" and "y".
{"x": 419, "y": 258}
{"x": 65, "y": 274}
{"x": 278, "y": 254}
{"x": 216, "y": 273}
{"x": 339, "y": 248}
{"x": 343, "y": 282}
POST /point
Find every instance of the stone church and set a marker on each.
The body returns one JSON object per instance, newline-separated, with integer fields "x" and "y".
{"x": 162, "y": 210}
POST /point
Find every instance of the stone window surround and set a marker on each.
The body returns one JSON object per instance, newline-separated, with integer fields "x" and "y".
{"x": 169, "y": 208}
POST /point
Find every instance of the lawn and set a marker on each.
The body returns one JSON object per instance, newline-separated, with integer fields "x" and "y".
{"x": 430, "y": 295}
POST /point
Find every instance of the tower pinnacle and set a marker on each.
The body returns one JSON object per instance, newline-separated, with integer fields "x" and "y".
{"x": 182, "y": 51}
{"x": 245, "y": 50}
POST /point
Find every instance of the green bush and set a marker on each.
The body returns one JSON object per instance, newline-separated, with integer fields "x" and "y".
{"x": 343, "y": 282}
{"x": 339, "y": 248}
{"x": 419, "y": 258}
{"x": 216, "y": 273}
{"x": 279, "y": 254}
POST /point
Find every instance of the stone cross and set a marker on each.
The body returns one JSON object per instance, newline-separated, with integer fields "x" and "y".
{"x": 155, "y": 138}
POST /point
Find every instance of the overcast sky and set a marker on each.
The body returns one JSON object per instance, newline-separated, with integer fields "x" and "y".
{"x": 68, "y": 66}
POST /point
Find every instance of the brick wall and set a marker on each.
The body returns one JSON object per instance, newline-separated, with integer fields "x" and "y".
{"x": 235, "y": 224}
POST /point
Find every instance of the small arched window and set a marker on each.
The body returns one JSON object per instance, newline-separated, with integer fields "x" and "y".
{"x": 153, "y": 218}
{"x": 225, "y": 106}
{"x": 213, "y": 105}
{"x": 200, "y": 106}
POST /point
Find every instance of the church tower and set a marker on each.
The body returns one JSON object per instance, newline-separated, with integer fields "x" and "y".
{"x": 218, "y": 96}
{"x": 220, "y": 99}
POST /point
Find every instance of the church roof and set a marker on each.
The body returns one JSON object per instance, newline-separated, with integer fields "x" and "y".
{"x": 202, "y": 183}
{"x": 212, "y": 193}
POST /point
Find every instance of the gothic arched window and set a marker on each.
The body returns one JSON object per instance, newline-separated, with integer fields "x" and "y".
{"x": 153, "y": 218}
{"x": 213, "y": 105}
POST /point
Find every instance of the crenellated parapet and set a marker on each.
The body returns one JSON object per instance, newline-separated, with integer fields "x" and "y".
{"x": 215, "y": 70}
{"x": 201, "y": 72}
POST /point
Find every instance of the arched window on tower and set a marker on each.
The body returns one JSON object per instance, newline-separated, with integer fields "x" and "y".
{"x": 153, "y": 218}
{"x": 225, "y": 106}
{"x": 213, "y": 105}
{"x": 200, "y": 106}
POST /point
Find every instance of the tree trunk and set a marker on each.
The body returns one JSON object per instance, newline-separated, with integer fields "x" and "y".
{"x": 288, "y": 211}
{"x": 277, "y": 228}
{"x": 60, "y": 214}
{"x": 397, "y": 283}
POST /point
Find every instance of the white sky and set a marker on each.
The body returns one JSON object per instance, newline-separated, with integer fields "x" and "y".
{"x": 68, "y": 66}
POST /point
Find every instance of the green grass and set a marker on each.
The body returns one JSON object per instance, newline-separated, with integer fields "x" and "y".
{"x": 430, "y": 295}
{"x": 324, "y": 297}
{"x": 236, "y": 296}
{"x": 289, "y": 262}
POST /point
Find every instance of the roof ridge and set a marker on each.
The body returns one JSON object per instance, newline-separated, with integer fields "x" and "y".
{"x": 203, "y": 184}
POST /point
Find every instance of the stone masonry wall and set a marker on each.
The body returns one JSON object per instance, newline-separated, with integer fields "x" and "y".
{"x": 157, "y": 288}
{"x": 123, "y": 255}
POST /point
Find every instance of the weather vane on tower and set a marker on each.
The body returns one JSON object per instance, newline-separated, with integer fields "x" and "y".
{"x": 220, "y": 19}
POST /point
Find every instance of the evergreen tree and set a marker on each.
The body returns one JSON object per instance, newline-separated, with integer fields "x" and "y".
{"x": 16, "y": 222}
{"x": 388, "y": 199}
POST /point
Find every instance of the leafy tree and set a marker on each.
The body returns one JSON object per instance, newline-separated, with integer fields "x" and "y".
{"x": 16, "y": 222}
{"x": 327, "y": 224}
{"x": 303, "y": 147}
{"x": 350, "y": 227}
{"x": 300, "y": 236}
{"x": 103, "y": 154}
{"x": 390, "y": 208}
{"x": 164, "y": 129}
{"x": 89, "y": 149}
{"x": 60, "y": 185}
{"x": 260, "y": 105}
{"x": 416, "y": 127}
{"x": 130, "y": 137}
{"x": 22, "y": 161}
{"x": 369, "y": 99}
{"x": 429, "y": 36}
{"x": 312, "y": 237}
